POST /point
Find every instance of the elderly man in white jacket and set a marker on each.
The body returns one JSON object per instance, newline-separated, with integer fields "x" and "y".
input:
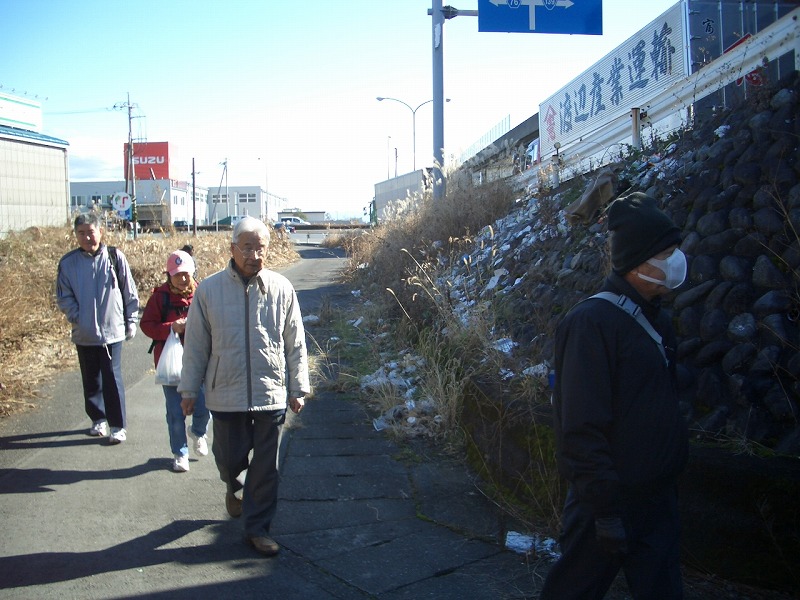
{"x": 245, "y": 340}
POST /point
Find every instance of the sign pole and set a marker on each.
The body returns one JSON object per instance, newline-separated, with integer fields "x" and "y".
{"x": 194, "y": 202}
{"x": 131, "y": 173}
{"x": 438, "y": 100}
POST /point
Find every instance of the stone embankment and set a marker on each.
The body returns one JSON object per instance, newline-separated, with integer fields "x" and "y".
{"x": 733, "y": 186}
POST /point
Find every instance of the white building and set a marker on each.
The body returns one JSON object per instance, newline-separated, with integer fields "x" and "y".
{"x": 34, "y": 180}
{"x": 159, "y": 202}
{"x": 243, "y": 200}
{"x": 398, "y": 195}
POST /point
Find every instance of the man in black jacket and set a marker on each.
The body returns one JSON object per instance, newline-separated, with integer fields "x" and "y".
{"x": 621, "y": 440}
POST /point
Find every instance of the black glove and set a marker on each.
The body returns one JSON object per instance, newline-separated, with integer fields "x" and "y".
{"x": 611, "y": 536}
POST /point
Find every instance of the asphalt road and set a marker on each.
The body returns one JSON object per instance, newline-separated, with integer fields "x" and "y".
{"x": 84, "y": 519}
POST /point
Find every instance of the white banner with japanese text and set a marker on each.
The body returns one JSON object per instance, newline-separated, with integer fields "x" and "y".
{"x": 643, "y": 66}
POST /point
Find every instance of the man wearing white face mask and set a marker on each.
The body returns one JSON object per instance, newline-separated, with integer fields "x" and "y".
{"x": 620, "y": 438}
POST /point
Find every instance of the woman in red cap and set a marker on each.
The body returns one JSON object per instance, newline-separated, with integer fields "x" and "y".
{"x": 164, "y": 314}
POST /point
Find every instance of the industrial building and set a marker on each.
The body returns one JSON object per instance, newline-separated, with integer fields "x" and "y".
{"x": 34, "y": 169}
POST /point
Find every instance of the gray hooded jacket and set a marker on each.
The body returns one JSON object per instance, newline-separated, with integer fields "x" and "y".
{"x": 95, "y": 302}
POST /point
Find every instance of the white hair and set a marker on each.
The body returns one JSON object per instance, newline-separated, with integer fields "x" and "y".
{"x": 250, "y": 224}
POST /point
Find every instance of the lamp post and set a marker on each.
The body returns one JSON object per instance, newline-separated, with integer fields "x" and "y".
{"x": 266, "y": 186}
{"x": 413, "y": 122}
{"x": 194, "y": 200}
{"x": 388, "y": 159}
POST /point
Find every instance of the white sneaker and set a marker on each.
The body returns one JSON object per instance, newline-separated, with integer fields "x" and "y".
{"x": 99, "y": 429}
{"x": 117, "y": 435}
{"x": 180, "y": 464}
{"x": 200, "y": 444}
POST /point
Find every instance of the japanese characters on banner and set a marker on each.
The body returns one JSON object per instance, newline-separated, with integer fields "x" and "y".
{"x": 637, "y": 70}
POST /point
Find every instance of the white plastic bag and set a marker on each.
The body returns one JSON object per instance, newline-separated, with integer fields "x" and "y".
{"x": 170, "y": 363}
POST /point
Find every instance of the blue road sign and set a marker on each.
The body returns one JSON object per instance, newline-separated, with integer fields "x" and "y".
{"x": 582, "y": 17}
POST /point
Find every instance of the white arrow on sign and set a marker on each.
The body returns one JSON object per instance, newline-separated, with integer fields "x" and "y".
{"x": 548, "y": 4}
{"x": 121, "y": 202}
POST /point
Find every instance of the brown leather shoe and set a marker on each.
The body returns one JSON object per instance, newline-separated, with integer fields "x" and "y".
{"x": 264, "y": 545}
{"x": 233, "y": 505}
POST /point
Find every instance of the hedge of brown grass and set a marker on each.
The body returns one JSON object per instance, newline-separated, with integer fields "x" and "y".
{"x": 34, "y": 335}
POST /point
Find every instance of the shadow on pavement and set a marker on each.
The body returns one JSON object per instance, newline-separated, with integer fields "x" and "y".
{"x": 53, "y": 439}
{"x": 309, "y": 252}
{"x": 25, "y": 481}
{"x": 51, "y": 567}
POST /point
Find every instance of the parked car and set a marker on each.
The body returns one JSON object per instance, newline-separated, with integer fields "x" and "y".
{"x": 294, "y": 221}
{"x": 181, "y": 225}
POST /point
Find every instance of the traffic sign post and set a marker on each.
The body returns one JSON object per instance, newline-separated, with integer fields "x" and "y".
{"x": 121, "y": 202}
{"x": 580, "y": 17}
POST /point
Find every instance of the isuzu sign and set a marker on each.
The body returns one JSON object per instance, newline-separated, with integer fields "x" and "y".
{"x": 150, "y": 160}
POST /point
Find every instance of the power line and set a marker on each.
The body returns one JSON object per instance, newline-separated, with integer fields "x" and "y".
{"x": 79, "y": 112}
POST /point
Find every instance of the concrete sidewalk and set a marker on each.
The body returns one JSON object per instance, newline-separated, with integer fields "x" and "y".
{"x": 84, "y": 519}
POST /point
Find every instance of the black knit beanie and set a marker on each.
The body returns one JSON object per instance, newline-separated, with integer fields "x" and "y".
{"x": 639, "y": 230}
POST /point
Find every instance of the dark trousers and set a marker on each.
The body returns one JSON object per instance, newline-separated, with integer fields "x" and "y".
{"x": 103, "y": 390}
{"x": 235, "y": 435}
{"x": 651, "y": 567}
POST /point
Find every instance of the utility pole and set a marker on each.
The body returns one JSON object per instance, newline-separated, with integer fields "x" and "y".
{"x": 194, "y": 202}
{"x": 130, "y": 179}
{"x": 439, "y": 14}
{"x": 219, "y": 188}
{"x": 227, "y": 195}
{"x": 438, "y": 99}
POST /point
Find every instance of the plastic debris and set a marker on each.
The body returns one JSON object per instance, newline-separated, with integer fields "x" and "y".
{"x": 519, "y": 543}
{"x": 525, "y": 544}
{"x": 505, "y": 345}
{"x": 540, "y": 370}
{"x": 722, "y": 130}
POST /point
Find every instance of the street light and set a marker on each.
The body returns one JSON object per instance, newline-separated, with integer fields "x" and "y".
{"x": 413, "y": 121}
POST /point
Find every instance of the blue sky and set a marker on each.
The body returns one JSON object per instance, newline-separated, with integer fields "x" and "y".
{"x": 284, "y": 90}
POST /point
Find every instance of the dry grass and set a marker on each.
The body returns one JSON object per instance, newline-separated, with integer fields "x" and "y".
{"x": 424, "y": 235}
{"x": 406, "y": 267}
{"x": 34, "y": 335}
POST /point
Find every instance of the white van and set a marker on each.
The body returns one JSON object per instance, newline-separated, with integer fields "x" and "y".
{"x": 294, "y": 221}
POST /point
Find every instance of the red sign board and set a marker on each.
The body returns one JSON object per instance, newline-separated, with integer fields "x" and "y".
{"x": 150, "y": 160}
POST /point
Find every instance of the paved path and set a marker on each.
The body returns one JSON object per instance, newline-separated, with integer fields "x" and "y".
{"x": 83, "y": 519}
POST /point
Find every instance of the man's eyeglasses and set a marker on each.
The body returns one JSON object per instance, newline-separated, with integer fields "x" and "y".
{"x": 256, "y": 251}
